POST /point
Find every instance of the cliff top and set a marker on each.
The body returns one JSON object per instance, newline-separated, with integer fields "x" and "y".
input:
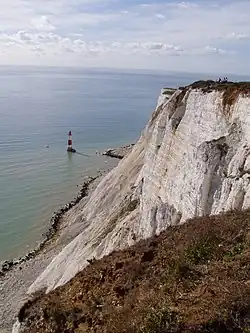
{"x": 221, "y": 85}
{"x": 230, "y": 90}
{"x": 192, "y": 278}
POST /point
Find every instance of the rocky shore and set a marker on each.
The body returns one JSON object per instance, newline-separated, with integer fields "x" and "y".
{"x": 17, "y": 275}
{"x": 55, "y": 221}
{"x": 120, "y": 152}
{"x": 52, "y": 230}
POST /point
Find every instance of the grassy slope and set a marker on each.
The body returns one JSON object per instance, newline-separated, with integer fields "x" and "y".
{"x": 192, "y": 278}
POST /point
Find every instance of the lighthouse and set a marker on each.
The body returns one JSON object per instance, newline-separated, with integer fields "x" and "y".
{"x": 70, "y": 141}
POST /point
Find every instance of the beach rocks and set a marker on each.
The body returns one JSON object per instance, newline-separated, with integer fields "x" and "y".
{"x": 52, "y": 230}
{"x": 119, "y": 152}
{"x": 7, "y": 265}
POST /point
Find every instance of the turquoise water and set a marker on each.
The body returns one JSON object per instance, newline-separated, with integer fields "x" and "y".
{"x": 37, "y": 108}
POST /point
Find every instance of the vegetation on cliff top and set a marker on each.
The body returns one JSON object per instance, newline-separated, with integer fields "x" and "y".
{"x": 192, "y": 278}
{"x": 231, "y": 90}
{"x": 230, "y": 93}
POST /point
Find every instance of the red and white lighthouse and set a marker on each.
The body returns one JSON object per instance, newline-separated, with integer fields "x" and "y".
{"x": 70, "y": 142}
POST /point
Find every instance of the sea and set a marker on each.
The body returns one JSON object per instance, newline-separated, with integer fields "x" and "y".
{"x": 103, "y": 108}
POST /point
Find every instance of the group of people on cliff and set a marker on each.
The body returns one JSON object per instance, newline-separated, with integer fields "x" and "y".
{"x": 225, "y": 80}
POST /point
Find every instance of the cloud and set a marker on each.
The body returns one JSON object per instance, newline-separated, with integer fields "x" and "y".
{"x": 216, "y": 50}
{"x": 51, "y": 43}
{"x": 157, "y": 34}
{"x": 42, "y": 23}
{"x": 236, "y": 36}
{"x": 160, "y": 16}
{"x": 185, "y": 5}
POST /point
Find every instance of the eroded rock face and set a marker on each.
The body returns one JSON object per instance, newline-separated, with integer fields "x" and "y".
{"x": 192, "y": 159}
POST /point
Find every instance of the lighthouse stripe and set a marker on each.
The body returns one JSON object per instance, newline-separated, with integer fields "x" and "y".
{"x": 70, "y": 142}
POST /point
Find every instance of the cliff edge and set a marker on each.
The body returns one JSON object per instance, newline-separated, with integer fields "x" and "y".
{"x": 192, "y": 159}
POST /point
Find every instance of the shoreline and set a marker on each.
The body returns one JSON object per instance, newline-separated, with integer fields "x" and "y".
{"x": 56, "y": 219}
{"x": 53, "y": 228}
{"x": 19, "y": 274}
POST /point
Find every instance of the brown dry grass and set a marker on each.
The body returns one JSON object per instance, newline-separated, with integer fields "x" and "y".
{"x": 192, "y": 278}
{"x": 231, "y": 90}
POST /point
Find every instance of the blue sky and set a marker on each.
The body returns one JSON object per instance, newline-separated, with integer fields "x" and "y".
{"x": 195, "y": 36}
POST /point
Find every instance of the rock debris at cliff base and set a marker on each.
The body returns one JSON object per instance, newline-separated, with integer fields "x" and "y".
{"x": 120, "y": 152}
{"x": 191, "y": 278}
{"x": 52, "y": 231}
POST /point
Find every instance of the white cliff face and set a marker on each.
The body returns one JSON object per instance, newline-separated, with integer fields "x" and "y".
{"x": 192, "y": 159}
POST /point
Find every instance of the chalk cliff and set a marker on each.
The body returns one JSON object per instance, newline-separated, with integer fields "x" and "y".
{"x": 192, "y": 159}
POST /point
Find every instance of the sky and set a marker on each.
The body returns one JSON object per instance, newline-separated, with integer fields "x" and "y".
{"x": 193, "y": 36}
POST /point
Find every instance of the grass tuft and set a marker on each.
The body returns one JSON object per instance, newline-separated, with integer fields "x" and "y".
{"x": 161, "y": 320}
{"x": 202, "y": 251}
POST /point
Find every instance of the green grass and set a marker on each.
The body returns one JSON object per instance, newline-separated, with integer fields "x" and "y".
{"x": 236, "y": 250}
{"x": 201, "y": 252}
{"x": 161, "y": 321}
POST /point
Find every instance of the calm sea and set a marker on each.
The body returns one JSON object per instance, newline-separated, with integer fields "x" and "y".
{"x": 38, "y": 106}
